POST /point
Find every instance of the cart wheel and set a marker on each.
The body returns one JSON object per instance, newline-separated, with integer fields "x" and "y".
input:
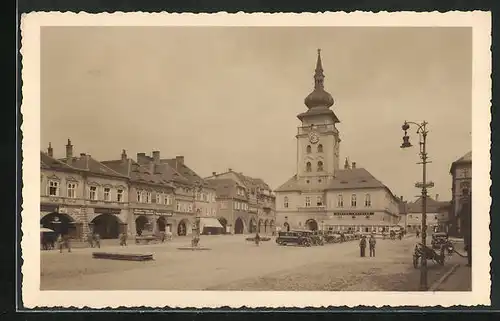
{"x": 415, "y": 261}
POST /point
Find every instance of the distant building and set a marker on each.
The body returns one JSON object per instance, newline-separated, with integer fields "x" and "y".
{"x": 245, "y": 204}
{"x": 83, "y": 194}
{"x": 321, "y": 195}
{"x": 433, "y": 213}
{"x": 461, "y": 173}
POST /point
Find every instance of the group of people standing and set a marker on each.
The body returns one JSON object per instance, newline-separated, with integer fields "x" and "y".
{"x": 371, "y": 242}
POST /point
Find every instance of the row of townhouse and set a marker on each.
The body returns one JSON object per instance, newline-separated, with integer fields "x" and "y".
{"x": 81, "y": 195}
{"x": 246, "y": 204}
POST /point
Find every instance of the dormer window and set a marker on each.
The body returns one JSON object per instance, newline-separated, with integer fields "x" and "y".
{"x": 308, "y": 149}
{"x": 320, "y": 148}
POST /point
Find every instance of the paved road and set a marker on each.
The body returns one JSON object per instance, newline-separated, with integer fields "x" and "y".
{"x": 235, "y": 264}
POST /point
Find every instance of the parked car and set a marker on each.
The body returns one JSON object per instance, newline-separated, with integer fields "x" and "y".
{"x": 317, "y": 238}
{"x": 332, "y": 237}
{"x": 439, "y": 240}
{"x": 294, "y": 238}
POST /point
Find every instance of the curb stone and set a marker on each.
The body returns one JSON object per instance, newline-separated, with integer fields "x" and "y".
{"x": 442, "y": 279}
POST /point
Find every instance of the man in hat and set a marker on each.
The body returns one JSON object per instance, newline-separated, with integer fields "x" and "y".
{"x": 372, "y": 243}
{"x": 362, "y": 246}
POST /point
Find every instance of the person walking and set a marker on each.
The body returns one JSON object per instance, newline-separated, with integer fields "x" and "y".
{"x": 90, "y": 240}
{"x": 257, "y": 239}
{"x": 123, "y": 239}
{"x": 97, "y": 240}
{"x": 372, "y": 243}
{"x": 60, "y": 243}
{"x": 362, "y": 246}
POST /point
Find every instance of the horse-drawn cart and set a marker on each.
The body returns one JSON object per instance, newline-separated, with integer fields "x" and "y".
{"x": 423, "y": 252}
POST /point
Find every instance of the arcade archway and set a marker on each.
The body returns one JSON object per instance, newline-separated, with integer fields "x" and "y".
{"x": 312, "y": 225}
{"x": 141, "y": 223}
{"x": 259, "y": 229}
{"x": 271, "y": 226}
{"x": 223, "y": 222}
{"x": 107, "y": 226}
{"x": 60, "y": 223}
{"x": 266, "y": 223}
{"x": 161, "y": 222}
{"x": 182, "y": 228}
{"x": 253, "y": 226}
{"x": 238, "y": 226}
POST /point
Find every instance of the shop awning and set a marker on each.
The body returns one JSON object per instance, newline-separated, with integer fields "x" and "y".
{"x": 209, "y": 222}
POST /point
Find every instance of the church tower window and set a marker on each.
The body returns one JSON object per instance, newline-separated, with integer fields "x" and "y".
{"x": 308, "y": 149}
{"x": 285, "y": 202}
{"x": 320, "y": 166}
{"x": 308, "y": 166}
{"x": 320, "y": 148}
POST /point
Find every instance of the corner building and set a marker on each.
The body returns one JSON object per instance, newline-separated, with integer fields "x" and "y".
{"x": 321, "y": 195}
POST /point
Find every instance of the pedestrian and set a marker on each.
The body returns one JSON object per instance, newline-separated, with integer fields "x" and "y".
{"x": 257, "y": 239}
{"x": 362, "y": 246}
{"x": 418, "y": 233}
{"x": 372, "y": 243}
{"x": 162, "y": 236}
{"x": 97, "y": 240}
{"x": 123, "y": 239}
{"x": 67, "y": 242}
{"x": 90, "y": 240}
{"x": 60, "y": 243}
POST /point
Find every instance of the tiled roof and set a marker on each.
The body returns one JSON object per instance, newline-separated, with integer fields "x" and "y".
{"x": 48, "y": 162}
{"x": 355, "y": 178}
{"x": 467, "y": 158}
{"x": 89, "y": 164}
{"x": 138, "y": 173}
{"x": 433, "y": 206}
{"x": 224, "y": 187}
{"x": 185, "y": 171}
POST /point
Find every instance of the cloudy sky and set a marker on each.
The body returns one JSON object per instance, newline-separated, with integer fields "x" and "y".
{"x": 227, "y": 97}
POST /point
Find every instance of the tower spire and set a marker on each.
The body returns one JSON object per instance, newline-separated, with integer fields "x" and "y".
{"x": 319, "y": 77}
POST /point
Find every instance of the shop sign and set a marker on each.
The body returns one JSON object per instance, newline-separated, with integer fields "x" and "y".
{"x": 143, "y": 212}
{"x": 49, "y": 208}
{"x": 353, "y": 214}
{"x": 164, "y": 213}
{"x": 107, "y": 210}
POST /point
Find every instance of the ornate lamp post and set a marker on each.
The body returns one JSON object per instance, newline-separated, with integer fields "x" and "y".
{"x": 424, "y": 185}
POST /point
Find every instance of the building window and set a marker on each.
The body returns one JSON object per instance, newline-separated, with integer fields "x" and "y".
{"x": 119, "y": 195}
{"x": 340, "y": 200}
{"x": 320, "y": 166}
{"x": 353, "y": 200}
{"x": 368, "y": 200}
{"x": 190, "y": 208}
{"x": 308, "y": 166}
{"x": 320, "y": 148}
{"x": 178, "y": 207}
{"x": 53, "y": 188}
{"x": 139, "y": 196}
{"x": 93, "y": 193}
{"x": 308, "y": 201}
{"x": 319, "y": 201}
{"x": 213, "y": 212}
{"x": 71, "y": 190}
{"x": 308, "y": 149}
{"x": 148, "y": 197}
{"x": 143, "y": 197}
{"x": 159, "y": 198}
{"x": 107, "y": 194}
{"x": 285, "y": 202}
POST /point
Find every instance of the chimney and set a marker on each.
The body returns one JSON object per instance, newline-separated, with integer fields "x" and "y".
{"x": 214, "y": 173}
{"x": 353, "y": 165}
{"x": 124, "y": 155}
{"x": 82, "y": 154}
{"x": 179, "y": 160}
{"x": 69, "y": 152}
{"x": 437, "y": 197}
{"x": 142, "y": 159}
{"x": 401, "y": 198}
{"x": 156, "y": 157}
{"x": 50, "y": 151}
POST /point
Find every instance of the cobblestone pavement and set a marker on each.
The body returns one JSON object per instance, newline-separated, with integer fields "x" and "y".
{"x": 236, "y": 264}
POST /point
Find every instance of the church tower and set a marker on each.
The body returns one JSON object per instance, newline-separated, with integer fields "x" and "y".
{"x": 317, "y": 137}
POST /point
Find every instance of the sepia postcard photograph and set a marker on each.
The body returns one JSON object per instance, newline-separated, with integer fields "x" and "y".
{"x": 257, "y": 160}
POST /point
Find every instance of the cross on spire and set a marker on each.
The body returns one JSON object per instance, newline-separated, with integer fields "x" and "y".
{"x": 319, "y": 77}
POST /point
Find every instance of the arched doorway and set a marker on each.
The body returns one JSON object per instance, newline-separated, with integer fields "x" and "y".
{"x": 162, "y": 224}
{"x": 265, "y": 226}
{"x": 238, "y": 226}
{"x": 286, "y": 226}
{"x": 141, "y": 223}
{"x": 253, "y": 226}
{"x": 271, "y": 226}
{"x": 182, "y": 228}
{"x": 260, "y": 226}
{"x": 312, "y": 225}
{"x": 59, "y": 223}
{"x": 223, "y": 222}
{"x": 107, "y": 226}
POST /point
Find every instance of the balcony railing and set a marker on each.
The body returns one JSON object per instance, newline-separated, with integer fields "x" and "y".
{"x": 323, "y": 128}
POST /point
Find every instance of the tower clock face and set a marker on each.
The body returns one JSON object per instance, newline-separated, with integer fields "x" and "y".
{"x": 313, "y": 137}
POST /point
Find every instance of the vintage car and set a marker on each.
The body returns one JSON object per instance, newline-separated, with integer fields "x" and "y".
{"x": 332, "y": 237}
{"x": 317, "y": 238}
{"x": 294, "y": 238}
{"x": 349, "y": 237}
{"x": 439, "y": 240}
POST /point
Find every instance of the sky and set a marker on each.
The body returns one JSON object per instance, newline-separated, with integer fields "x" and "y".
{"x": 228, "y": 97}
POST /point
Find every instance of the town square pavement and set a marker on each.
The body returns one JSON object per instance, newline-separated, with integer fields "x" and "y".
{"x": 232, "y": 263}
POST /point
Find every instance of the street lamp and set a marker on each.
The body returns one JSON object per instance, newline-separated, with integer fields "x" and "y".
{"x": 424, "y": 185}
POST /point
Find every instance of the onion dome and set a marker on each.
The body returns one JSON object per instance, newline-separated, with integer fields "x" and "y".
{"x": 319, "y": 97}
